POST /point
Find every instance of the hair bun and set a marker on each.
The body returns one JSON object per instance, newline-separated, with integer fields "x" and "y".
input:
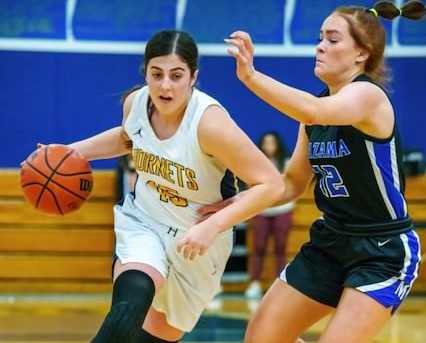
{"x": 413, "y": 9}
{"x": 387, "y": 9}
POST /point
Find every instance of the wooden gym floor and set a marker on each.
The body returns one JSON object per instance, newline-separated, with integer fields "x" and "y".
{"x": 74, "y": 319}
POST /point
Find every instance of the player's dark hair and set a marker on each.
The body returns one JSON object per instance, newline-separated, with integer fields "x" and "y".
{"x": 172, "y": 42}
{"x": 368, "y": 31}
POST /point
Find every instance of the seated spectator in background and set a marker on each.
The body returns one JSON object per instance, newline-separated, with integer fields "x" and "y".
{"x": 274, "y": 221}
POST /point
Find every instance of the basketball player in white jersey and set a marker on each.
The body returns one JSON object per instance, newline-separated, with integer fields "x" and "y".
{"x": 186, "y": 150}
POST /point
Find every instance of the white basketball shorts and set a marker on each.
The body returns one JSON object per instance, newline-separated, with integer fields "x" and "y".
{"x": 190, "y": 285}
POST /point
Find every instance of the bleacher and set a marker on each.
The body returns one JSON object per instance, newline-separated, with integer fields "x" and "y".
{"x": 40, "y": 253}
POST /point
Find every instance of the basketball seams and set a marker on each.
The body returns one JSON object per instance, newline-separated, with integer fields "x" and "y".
{"x": 74, "y": 174}
{"x": 37, "y": 170}
{"x": 52, "y": 174}
{"x": 69, "y": 187}
{"x": 55, "y": 182}
{"x": 68, "y": 154}
{"x": 46, "y": 148}
{"x": 31, "y": 184}
{"x": 60, "y": 163}
{"x": 56, "y": 200}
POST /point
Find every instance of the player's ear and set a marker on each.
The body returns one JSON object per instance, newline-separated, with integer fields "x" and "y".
{"x": 363, "y": 56}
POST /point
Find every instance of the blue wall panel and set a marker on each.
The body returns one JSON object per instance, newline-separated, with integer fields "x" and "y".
{"x": 412, "y": 32}
{"x": 212, "y": 21}
{"x": 32, "y": 19}
{"x": 64, "y": 97}
{"x": 409, "y": 86}
{"x": 309, "y": 15}
{"x": 130, "y": 20}
{"x": 209, "y": 21}
{"x": 59, "y": 98}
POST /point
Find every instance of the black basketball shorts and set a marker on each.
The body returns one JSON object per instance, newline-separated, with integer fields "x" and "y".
{"x": 383, "y": 267}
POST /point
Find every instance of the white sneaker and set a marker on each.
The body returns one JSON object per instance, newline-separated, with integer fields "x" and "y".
{"x": 254, "y": 290}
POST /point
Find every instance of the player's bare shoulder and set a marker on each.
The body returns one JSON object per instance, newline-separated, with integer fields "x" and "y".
{"x": 214, "y": 118}
{"x": 214, "y": 122}
{"x": 370, "y": 93}
{"x": 217, "y": 129}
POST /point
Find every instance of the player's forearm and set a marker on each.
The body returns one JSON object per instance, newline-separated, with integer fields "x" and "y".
{"x": 107, "y": 144}
{"x": 247, "y": 204}
{"x": 294, "y": 103}
{"x": 293, "y": 189}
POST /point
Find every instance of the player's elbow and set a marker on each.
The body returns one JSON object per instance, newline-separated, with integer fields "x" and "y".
{"x": 311, "y": 113}
{"x": 276, "y": 189}
{"x": 309, "y": 120}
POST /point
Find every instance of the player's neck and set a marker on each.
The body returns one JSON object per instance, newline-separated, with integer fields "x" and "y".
{"x": 168, "y": 119}
{"x": 337, "y": 84}
{"x": 165, "y": 125}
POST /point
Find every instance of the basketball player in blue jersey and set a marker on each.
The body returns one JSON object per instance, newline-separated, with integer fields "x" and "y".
{"x": 363, "y": 254}
{"x": 186, "y": 150}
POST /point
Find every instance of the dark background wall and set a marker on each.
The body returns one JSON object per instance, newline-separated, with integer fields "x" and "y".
{"x": 52, "y": 96}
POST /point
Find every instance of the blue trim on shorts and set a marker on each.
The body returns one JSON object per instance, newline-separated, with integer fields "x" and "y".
{"x": 394, "y": 294}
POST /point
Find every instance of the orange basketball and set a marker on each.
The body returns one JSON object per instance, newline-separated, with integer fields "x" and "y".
{"x": 56, "y": 179}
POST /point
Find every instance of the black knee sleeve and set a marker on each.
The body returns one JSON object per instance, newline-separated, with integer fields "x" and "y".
{"x": 132, "y": 296}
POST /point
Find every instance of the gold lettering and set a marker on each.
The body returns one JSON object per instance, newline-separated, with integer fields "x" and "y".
{"x": 191, "y": 176}
{"x": 137, "y": 156}
{"x": 145, "y": 162}
{"x": 166, "y": 172}
{"x": 164, "y": 193}
{"x": 160, "y": 166}
{"x": 167, "y": 194}
{"x": 172, "y": 195}
{"x": 151, "y": 160}
{"x": 156, "y": 165}
{"x": 179, "y": 168}
{"x": 152, "y": 185}
{"x": 179, "y": 201}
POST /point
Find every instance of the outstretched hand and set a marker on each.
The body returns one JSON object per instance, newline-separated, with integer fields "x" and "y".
{"x": 242, "y": 49}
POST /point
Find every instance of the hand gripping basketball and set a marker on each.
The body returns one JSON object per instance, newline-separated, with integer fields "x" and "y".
{"x": 56, "y": 179}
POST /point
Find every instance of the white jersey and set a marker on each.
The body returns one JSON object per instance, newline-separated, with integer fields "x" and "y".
{"x": 175, "y": 177}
